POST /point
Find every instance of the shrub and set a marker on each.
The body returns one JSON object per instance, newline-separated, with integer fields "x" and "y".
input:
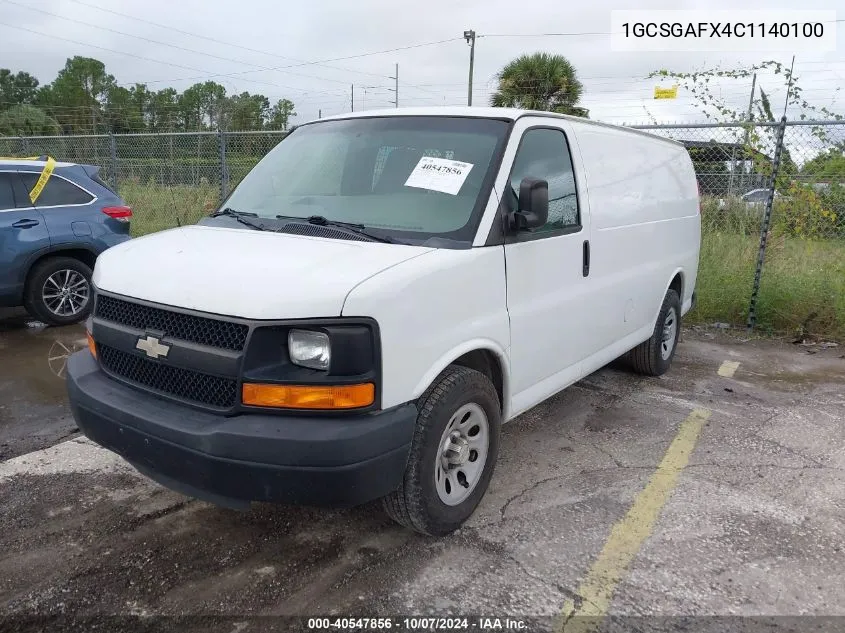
{"x": 803, "y": 213}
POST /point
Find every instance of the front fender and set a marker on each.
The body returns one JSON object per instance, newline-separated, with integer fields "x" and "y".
{"x": 451, "y": 356}
{"x": 430, "y": 311}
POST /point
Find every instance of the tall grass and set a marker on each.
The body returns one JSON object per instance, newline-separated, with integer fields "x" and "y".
{"x": 802, "y": 288}
{"x": 157, "y": 207}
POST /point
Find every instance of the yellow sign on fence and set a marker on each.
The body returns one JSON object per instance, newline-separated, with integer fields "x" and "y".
{"x": 666, "y": 93}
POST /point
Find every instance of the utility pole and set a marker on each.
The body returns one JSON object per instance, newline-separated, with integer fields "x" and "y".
{"x": 745, "y": 142}
{"x": 353, "y": 98}
{"x": 748, "y": 117}
{"x": 396, "y": 89}
{"x": 469, "y": 36}
{"x": 750, "y": 105}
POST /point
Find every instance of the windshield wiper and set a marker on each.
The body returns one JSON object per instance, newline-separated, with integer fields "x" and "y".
{"x": 357, "y": 229}
{"x": 240, "y": 216}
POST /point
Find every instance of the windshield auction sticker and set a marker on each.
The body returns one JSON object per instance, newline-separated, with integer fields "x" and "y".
{"x": 439, "y": 174}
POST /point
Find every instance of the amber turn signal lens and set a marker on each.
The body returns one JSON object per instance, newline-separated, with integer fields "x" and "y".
{"x": 309, "y": 396}
{"x": 92, "y": 347}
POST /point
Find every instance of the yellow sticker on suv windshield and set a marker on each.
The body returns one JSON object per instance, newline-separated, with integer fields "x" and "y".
{"x": 42, "y": 180}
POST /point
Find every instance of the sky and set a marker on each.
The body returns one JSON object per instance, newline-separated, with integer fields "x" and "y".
{"x": 270, "y": 47}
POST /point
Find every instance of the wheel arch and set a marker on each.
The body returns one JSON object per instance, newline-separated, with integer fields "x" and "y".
{"x": 676, "y": 281}
{"x": 85, "y": 255}
{"x": 483, "y": 355}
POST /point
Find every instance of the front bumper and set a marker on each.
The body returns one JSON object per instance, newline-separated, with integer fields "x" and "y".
{"x": 231, "y": 461}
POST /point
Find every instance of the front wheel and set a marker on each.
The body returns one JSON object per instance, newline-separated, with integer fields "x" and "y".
{"x": 453, "y": 454}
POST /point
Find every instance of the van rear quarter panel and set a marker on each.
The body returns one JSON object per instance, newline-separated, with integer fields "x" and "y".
{"x": 645, "y": 224}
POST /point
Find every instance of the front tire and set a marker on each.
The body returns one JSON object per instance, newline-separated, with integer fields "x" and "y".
{"x": 654, "y": 356}
{"x": 453, "y": 454}
{"x": 58, "y": 291}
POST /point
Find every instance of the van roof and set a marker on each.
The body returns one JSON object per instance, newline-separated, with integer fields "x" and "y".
{"x": 485, "y": 112}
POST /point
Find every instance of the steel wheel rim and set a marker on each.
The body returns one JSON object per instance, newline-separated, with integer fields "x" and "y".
{"x": 66, "y": 292}
{"x": 461, "y": 454}
{"x": 670, "y": 328}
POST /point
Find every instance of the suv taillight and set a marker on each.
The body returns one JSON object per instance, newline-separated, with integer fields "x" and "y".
{"x": 118, "y": 213}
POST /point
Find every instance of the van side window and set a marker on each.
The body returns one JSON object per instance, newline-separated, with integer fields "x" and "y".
{"x": 544, "y": 153}
{"x": 58, "y": 192}
{"x": 7, "y": 198}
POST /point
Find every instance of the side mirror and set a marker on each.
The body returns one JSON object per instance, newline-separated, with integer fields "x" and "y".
{"x": 533, "y": 209}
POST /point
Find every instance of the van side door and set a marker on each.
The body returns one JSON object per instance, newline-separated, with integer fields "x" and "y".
{"x": 23, "y": 233}
{"x": 547, "y": 268}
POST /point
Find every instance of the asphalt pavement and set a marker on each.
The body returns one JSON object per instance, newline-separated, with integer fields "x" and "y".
{"x": 715, "y": 490}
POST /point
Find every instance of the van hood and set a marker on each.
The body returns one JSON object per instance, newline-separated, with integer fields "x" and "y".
{"x": 243, "y": 272}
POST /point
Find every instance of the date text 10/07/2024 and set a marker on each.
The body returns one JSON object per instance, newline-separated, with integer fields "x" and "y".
{"x": 418, "y": 624}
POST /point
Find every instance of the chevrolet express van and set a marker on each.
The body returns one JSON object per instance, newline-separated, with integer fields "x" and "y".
{"x": 377, "y": 297}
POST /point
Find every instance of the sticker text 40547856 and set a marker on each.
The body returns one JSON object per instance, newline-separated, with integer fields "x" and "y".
{"x": 439, "y": 174}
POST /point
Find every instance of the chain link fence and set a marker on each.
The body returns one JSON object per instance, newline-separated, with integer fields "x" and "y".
{"x": 176, "y": 178}
{"x": 799, "y": 261}
{"x": 168, "y": 179}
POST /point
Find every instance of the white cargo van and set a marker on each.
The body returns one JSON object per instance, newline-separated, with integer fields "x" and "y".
{"x": 377, "y": 296}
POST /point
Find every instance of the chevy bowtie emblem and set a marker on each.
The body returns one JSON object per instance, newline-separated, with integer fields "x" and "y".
{"x": 152, "y": 347}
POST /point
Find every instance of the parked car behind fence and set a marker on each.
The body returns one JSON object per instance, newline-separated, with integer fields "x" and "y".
{"x": 55, "y": 220}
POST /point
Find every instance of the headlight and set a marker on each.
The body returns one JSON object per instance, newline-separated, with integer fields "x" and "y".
{"x": 309, "y": 349}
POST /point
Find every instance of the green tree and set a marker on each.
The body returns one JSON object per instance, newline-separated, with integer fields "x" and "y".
{"x": 828, "y": 165}
{"x": 27, "y": 120}
{"x": 76, "y": 96}
{"x": 16, "y": 89}
{"x": 541, "y": 81}
{"x": 191, "y": 108}
{"x": 123, "y": 113}
{"x": 202, "y": 105}
{"x": 162, "y": 113}
{"x": 281, "y": 114}
{"x": 247, "y": 112}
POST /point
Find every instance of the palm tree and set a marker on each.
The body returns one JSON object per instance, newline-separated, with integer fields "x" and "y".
{"x": 539, "y": 82}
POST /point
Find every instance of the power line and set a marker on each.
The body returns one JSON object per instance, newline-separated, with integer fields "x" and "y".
{"x": 333, "y": 59}
{"x": 160, "y": 43}
{"x": 216, "y": 41}
{"x": 544, "y": 34}
{"x": 150, "y": 59}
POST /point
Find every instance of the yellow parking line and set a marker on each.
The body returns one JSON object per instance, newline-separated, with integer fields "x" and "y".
{"x": 728, "y": 368}
{"x": 628, "y": 534}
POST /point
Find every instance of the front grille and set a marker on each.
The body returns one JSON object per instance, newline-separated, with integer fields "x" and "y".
{"x": 175, "y": 381}
{"x": 187, "y": 327}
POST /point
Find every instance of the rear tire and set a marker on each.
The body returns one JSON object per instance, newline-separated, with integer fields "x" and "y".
{"x": 654, "y": 356}
{"x": 458, "y": 426}
{"x": 58, "y": 291}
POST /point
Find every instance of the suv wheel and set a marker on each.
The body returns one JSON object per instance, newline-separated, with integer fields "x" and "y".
{"x": 453, "y": 454}
{"x": 58, "y": 291}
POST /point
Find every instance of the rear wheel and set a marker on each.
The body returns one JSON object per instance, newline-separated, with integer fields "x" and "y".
{"x": 453, "y": 454}
{"x": 654, "y": 356}
{"x": 58, "y": 291}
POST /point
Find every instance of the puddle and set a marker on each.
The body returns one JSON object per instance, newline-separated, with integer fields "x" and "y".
{"x": 33, "y": 357}
{"x": 33, "y": 397}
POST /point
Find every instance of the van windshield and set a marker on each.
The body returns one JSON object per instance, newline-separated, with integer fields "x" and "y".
{"x": 415, "y": 178}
